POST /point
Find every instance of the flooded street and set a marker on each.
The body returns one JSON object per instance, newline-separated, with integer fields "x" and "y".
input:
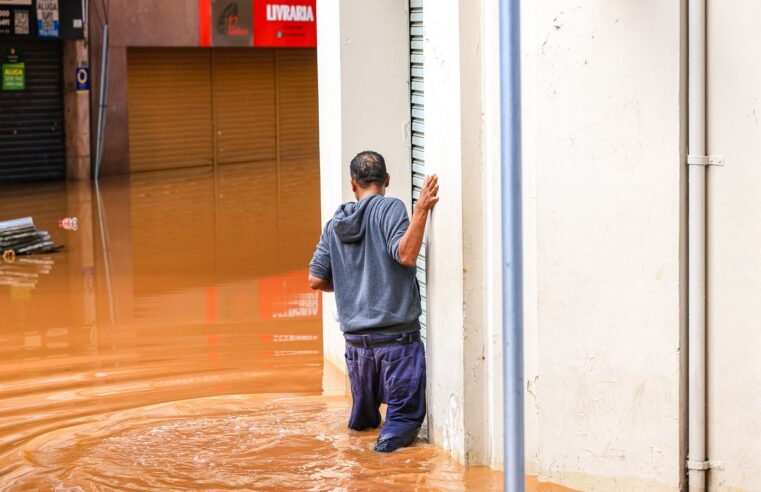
{"x": 175, "y": 344}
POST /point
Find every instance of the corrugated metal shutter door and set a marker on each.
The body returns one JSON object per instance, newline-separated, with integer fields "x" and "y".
{"x": 170, "y": 109}
{"x": 32, "y": 144}
{"x": 297, "y": 103}
{"x": 244, "y": 105}
{"x": 417, "y": 100}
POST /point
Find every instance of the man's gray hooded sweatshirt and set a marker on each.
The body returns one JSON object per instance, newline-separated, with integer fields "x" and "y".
{"x": 359, "y": 253}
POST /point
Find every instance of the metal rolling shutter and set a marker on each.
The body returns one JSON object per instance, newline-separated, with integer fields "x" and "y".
{"x": 170, "y": 110}
{"x": 243, "y": 81}
{"x": 417, "y": 101}
{"x": 32, "y": 144}
{"x": 297, "y": 103}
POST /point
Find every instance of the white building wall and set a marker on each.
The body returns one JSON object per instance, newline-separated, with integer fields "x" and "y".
{"x": 444, "y": 155}
{"x": 492, "y": 233}
{"x": 734, "y": 239}
{"x": 607, "y": 150}
{"x": 363, "y": 85}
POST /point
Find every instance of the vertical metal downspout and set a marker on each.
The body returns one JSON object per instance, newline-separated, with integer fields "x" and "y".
{"x": 103, "y": 106}
{"x": 512, "y": 239}
{"x": 696, "y": 238}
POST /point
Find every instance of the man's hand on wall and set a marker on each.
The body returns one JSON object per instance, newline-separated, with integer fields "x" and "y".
{"x": 409, "y": 246}
{"x": 428, "y": 194}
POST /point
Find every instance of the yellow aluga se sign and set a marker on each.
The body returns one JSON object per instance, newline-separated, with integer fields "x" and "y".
{"x": 13, "y": 70}
{"x": 14, "y": 76}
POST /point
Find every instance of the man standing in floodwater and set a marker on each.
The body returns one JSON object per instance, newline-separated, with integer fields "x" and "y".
{"x": 367, "y": 254}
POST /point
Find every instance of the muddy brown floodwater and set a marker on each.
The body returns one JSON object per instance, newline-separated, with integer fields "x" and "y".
{"x": 175, "y": 345}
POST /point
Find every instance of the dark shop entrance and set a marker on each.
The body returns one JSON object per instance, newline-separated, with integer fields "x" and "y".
{"x": 32, "y": 146}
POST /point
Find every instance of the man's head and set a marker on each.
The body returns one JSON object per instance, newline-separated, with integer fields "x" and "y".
{"x": 368, "y": 174}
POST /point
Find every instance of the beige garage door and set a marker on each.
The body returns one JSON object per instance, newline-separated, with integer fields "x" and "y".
{"x": 199, "y": 107}
{"x": 170, "y": 113}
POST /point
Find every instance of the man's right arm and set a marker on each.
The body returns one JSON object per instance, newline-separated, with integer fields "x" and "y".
{"x": 412, "y": 241}
{"x": 317, "y": 283}
{"x": 320, "y": 268}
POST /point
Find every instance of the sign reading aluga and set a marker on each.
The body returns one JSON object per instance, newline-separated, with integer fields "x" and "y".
{"x": 285, "y": 23}
{"x": 14, "y": 76}
{"x": 47, "y": 19}
{"x": 13, "y": 70}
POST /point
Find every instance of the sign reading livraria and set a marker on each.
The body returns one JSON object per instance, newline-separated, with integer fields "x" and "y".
{"x": 285, "y": 23}
{"x": 289, "y": 13}
{"x": 263, "y": 23}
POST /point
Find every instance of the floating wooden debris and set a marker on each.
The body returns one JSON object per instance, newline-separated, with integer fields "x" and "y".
{"x": 20, "y": 237}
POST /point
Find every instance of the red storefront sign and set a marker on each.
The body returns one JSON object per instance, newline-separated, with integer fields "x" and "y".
{"x": 285, "y": 23}
{"x": 276, "y": 23}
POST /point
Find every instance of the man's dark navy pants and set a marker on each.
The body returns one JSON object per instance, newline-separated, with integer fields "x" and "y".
{"x": 394, "y": 375}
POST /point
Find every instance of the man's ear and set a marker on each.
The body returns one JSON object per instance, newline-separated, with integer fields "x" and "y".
{"x": 388, "y": 180}
{"x": 354, "y": 186}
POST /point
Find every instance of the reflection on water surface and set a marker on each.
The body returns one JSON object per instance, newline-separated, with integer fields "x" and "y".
{"x": 174, "y": 343}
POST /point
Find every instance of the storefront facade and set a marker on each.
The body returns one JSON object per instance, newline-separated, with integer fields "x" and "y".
{"x": 42, "y": 58}
{"x": 202, "y": 83}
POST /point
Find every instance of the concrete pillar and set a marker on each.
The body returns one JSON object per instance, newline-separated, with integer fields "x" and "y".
{"x": 77, "y": 111}
{"x": 363, "y": 79}
{"x": 457, "y": 375}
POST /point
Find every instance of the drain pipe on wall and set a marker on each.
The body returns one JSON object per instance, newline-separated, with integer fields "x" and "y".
{"x": 697, "y": 161}
{"x": 512, "y": 241}
{"x": 103, "y": 102}
{"x": 103, "y": 95}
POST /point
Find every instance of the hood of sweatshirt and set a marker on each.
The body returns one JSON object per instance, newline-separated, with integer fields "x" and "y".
{"x": 349, "y": 220}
